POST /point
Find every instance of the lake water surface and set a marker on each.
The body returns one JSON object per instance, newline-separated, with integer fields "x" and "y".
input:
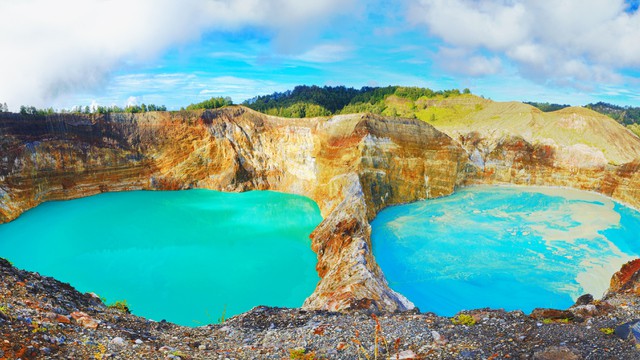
{"x": 184, "y": 256}
{"x": 504, "y": 247}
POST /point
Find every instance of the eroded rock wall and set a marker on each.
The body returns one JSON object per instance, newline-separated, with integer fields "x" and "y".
{"x": 352, "y": 166}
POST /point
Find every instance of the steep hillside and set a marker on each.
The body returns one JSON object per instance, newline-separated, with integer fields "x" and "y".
{"x": 584, "y": 137}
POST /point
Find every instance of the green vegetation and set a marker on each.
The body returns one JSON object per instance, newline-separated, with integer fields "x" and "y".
{"x": 555, "y": 321}
{"x": 213, "y": 103}
{"x": 179, "y": 354}
{"x": 120, "y": 305}
{"x": 312, "y": 101}
{"x": 301, "y": 354}
{"x": 222, "y": 317}
{"x": 547, "y": 107}
{"x": 635, "y": 128}
{"x": 132, "y": 109}
{"x": 129, "y": 109}
{"x": 4, "y": 309}
{"x": 607, "y": 330}
{"x": 463, "y": 319}
{"x": 626, "y": 115}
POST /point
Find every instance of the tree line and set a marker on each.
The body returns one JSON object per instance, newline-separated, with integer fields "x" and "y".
{"x": 212, "y": 103}
{"x": 311, "y": 101}
{"x": 625, "y": 115}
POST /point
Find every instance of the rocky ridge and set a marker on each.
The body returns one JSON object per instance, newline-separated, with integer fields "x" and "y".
{"x": 42, "y": 318}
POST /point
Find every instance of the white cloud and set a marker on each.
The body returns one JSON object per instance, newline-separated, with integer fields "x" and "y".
{"x": 563, "y": 42}
{"x": 461, "y": 61}
{"x": 326, "y": 53}
{"x": 132, "y": 101}
{"x": 51, "y": 48}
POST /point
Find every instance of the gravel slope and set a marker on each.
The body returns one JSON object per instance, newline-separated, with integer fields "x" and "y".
{"x": 42, "y": 318}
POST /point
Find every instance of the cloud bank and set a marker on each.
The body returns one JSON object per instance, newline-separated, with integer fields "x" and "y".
{"x": 566, "y": 43}
{"x": 51, "y": 48}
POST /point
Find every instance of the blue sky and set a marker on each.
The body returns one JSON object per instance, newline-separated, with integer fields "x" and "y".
{"x": 75, "y": 52}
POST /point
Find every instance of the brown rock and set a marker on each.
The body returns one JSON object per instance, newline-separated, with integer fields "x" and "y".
{"x": 585, "y": 310}
{"x": 88, "y": 322}
{"x": 557, "y": 353}
{"x": 63, "y": 319}
{"x": 552, "y": 314}
{"x": 627, "y": 279}
{"x": 78, "y": 315}
{"x": 584, "y": 300}
{"x": 84, "y": 320}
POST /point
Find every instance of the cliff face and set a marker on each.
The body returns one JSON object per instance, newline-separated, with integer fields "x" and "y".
{"x": 352, "y": 166}
{"x": 573, "y": 147}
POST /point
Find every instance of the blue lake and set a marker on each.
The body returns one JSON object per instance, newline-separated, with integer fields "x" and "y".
{"x": 185, "y": 256}
{"x": 504, "y": 247}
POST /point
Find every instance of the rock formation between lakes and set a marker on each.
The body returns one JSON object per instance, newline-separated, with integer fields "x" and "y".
{"x": 351, "y": 165}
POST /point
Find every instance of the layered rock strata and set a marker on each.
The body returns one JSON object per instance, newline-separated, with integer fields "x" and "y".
{"x": 352, "y": 166}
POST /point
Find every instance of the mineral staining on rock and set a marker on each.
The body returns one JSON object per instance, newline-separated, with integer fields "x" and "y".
{"x": 351, "y": 165}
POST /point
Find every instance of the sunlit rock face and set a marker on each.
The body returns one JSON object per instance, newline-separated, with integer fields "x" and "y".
{"x": 351, "y": 165}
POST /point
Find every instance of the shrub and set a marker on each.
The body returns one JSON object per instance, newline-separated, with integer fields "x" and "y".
{"x": 463, "y": 319}
{"x": 120, "y": 305}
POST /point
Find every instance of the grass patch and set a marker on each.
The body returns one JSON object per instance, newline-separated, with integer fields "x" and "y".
{"x": 463, "y": 319}
{"x": 120, "y": 305}
{"x": 607, "y": 330}
{"x": 301, "y": 354}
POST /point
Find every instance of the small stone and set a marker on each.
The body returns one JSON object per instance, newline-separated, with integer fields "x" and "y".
{"x": 341, "y": 346}
{"x": 405, "y": 355}
{"x": 78, "y": 314}
{"x": 138, "y": 341}
{"x": 585, "y": 310}
{"x": 202, "y": 347}
{"x": 117, "y": 341}
{"x": 165, "y": 349}
{"x": 437, "y": 338}
{"x": 88, "y": 323}
{"x": 63, "y": 319}
{"x": 585, "y": 299}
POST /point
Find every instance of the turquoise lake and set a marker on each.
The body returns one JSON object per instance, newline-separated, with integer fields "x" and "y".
{"x": 504, "y": 247}
{"x": 184, "y": 256}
